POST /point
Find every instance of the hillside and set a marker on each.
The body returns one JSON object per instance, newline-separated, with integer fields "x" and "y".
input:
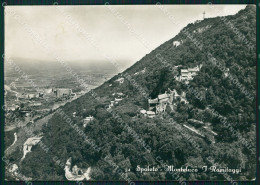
{"x": 129, "y": 138}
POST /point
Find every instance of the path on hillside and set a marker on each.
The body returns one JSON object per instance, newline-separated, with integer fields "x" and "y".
{"x": 22, "y": 135}
{"x": 15, "y": 139}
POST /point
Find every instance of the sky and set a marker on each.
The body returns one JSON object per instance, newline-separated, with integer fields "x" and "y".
{"x": 125, "y": 33}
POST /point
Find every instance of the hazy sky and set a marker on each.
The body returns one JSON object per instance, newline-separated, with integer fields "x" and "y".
{"x": 120, "y": 33}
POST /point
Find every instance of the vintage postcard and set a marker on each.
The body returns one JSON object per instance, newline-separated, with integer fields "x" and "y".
{"x": 130, "y": 92}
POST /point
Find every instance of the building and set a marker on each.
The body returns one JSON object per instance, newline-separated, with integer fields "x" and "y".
{"x": 164, "y": 100}
{"x": 12, "y": 108}
{"x": 62, "y": 92}
{"x": 184, "y": 100}
{"x": 112, "y": 103}
{"x": 176, "y": 43}
{"x": 48, "y": 91}
{"x": 142, "y": 71}
{"x": 188, "y": 74}
{"x": 150, "y": 114}
{"x": 160, "y": 103}
{"x": 118, "y": 100}
{"x": 118, "y": 95}
{"x": 30, "y": 96}
{"x": 120, "y": 80}
{"x": 76, "y": 170}
{"x": 163, "y": 97}
{"x": 143, "y": 112}
{"x": 27, "y": 146}
{"x": 13, "y": 168}
{"x": 76, "y": 174}
{"x": 87, "y": 120}
{"x": 25, "y": 111}
{"x": 40, "y": 95}
{"x": 195, "y": 122}
{"x": 152, "y": 104}
{"x": 185, "y": 74}
{"x": 35, "y": 104}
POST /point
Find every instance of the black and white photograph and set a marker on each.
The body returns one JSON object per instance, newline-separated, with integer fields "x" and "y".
{"x": 155, "y": 92}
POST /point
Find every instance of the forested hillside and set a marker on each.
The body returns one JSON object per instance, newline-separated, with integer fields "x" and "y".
{"x": 159, "y": 136}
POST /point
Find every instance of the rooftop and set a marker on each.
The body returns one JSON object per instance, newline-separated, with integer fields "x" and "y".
{"x": 184, "y": 71}
{"x": 150, "y": 101}
{"x": 162, "y": 96}
{"x": 195, "y": 69}
{"x": 150, "y": 112}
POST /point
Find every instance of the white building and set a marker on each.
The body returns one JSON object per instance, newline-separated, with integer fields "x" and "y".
{"x": 185, "y": 74}
{"x": 27, "y": 146}
{"x": 164, "y": 100}
{"x": 143, "y": 112}
{"x": 188, "y": 74}
{"x": 76, "y": 174}
{"x": 150, "y": 114}
{"x": 87, "y": 120}
{"x": 13, "y": 168}
{"x": 120, "y": 80}
{"x": 118, "y": 100}
{"x": 176, "y": 43}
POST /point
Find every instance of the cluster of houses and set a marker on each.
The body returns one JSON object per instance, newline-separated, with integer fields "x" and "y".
{"x": 57, "y": 92}
{"x": 117, "y": 98}
{"x": 188, "y": 74}
{"x": 159, "y": 104}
